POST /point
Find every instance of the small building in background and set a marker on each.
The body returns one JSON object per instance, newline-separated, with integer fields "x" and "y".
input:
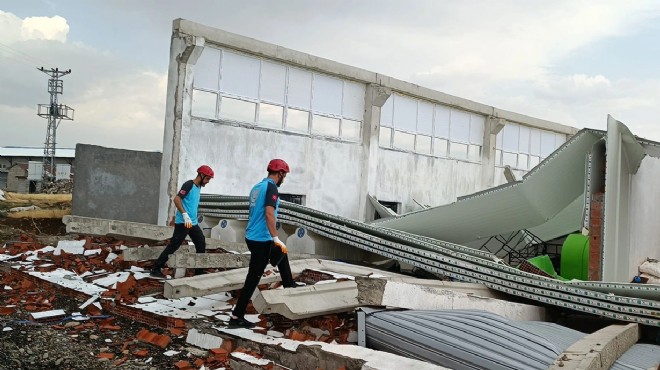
{"x": 16, "y": 174}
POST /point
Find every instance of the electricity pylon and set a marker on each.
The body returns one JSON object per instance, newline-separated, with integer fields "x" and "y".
{"x": 54, "y": 112}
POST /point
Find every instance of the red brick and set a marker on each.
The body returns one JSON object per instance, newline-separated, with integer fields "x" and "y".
{"x": 107, "y": 355}
{"x": 7, "y": 310}
{"x": 219, "y": 353}
{"x": 183, "y": 365}
{"x": 141, "y": 353}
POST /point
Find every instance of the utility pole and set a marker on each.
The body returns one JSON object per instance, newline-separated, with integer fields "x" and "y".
{"x": 54, "y": 112}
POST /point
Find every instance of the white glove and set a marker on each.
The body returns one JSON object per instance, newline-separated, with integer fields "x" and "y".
{"x": 279, "y": 244}
{"x": 186, "y": 220}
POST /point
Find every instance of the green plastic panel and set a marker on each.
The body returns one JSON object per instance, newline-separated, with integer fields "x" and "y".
{"x": 575, "y": 258}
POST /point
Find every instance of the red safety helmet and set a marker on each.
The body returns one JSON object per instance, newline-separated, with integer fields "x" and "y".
{"x": 277, "y": 165}
{"x": 205, "y": 170}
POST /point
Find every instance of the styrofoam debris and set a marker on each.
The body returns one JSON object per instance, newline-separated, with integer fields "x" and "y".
{"x": 171, "y": 353}
{"x": 47, "y": 314}
{"x": 146, "y": 299}
{"x": 70, "y": 246}
{"x": 206, "y": 341}
{"x": 111, "y": 257}
{"x": 251, "y": 359}
{"x": 7, "y": 328}
{"x": 7, "y": 287}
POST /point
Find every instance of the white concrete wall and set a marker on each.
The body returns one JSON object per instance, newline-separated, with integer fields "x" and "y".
{"x": 326, "y": 172}
{"x": 644, "y": 214}
{"x": 403, "y": 177}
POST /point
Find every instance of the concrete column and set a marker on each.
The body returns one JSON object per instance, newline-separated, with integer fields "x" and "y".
{"x": 184, "y": 52}
{"x": 375, "y": 97}
{"x": 492, "y": 127}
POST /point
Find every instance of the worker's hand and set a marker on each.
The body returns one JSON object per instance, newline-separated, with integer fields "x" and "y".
{"x": 186, "y": 220}
{"x": 279, "y": 244}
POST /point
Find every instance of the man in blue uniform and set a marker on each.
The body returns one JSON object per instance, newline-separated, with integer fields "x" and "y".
{"x": 261, "y": 238}
{"x": 185, "y": 222}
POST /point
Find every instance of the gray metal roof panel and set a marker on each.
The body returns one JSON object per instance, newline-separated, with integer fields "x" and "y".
{"x": 543, "y": 195}
{"x": 471, "y": 339}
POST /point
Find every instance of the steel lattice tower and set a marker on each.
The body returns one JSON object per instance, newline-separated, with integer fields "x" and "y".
{"x": 54, "y": 112}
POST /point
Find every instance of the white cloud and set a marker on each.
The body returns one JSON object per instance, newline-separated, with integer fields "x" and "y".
{"x": 45, "y": 28}
{"x": 14, "y": 29}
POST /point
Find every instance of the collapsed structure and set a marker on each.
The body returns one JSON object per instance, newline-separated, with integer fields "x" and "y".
{"x": 530, "y": 218}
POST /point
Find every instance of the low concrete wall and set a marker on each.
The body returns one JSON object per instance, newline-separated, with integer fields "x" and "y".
{"x": 116, "y": 184}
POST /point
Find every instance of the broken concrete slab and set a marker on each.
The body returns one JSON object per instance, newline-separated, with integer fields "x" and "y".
{"x": 152, "y": 253}
{"x": 114, "y": 228}
{"x": 218, "y": 282}
{"x": 598, "y": 350}
{"x": 308, "y": 301}
{"x": 468, "y": 288}
{"x": 239, "y": 247}
{"x": 208, "y": 260}
{"x": 381, "y": 292}
{"x": 216, "y": 260}
{"x": 137, "y": 231}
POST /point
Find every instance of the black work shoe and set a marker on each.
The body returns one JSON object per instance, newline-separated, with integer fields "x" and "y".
{"x": 157, "y": 273}
{"x": 240, "y": 323}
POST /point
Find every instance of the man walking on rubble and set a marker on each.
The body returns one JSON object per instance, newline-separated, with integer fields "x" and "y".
{"x": 185, "y": 221}
{"x": 262, "y": 241}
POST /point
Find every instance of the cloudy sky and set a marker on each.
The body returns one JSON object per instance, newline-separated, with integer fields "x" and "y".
{"x": 571, "y": 62}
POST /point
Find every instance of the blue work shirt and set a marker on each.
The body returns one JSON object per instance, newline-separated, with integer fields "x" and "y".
{"x": 189, "y": 194}
{"x": 262, "y": 195}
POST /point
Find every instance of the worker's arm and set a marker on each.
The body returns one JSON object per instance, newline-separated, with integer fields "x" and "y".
{"x": 178, "y": 203}
{"x": 272, "y": 197}
{"x": 270, "y": 221}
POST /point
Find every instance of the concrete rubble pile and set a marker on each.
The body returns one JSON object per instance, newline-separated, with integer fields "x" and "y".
{"x": 93, "y": 272}
{"x": 57, "y": 187}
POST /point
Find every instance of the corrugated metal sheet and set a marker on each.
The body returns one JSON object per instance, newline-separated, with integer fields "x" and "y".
{"x": 461, "y": 339}
{"x": 548, "y": 198}
{"x": 465, "y": 339}
{"x": 455, "y": 261}
{"x": 17, "y": 151}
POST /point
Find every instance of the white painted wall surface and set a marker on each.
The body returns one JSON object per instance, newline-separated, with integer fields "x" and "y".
{"x": 644, "y": 214}
{"x": 403, "y": 177}
{"x": 326, "y": 172}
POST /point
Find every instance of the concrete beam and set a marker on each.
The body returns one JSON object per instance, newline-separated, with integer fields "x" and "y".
{"x": 598, "y": 350}
{"x": 225, "y": 281}
{"x": 381, "y": 292}
{"x": 208, "y": 260}
{"x": 137, "y": 231}
{"x": 308, "y": 301}
{"x": 152, "y": 253}
{"x": 114, "y": 228}
{"x": 216, "y": 260}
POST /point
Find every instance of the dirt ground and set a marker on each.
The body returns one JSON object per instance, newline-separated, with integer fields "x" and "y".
{"x": 68, "y": 344}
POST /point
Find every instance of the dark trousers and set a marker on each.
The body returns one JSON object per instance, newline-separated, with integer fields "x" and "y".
{"x": 179, "y": 235}
{"x": 261, "y": 254}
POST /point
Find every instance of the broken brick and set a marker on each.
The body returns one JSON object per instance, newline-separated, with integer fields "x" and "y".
{"x": 107, "y": 355}
{"x": 183, "y": 365}
{"x": 219, "y": 353}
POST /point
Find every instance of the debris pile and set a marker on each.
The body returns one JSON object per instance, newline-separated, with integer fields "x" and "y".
{"x": 57, "y": 187}
{"x": 84, "y": 291}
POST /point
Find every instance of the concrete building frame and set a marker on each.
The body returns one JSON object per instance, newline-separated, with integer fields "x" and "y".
{"x": 333, "y": 175}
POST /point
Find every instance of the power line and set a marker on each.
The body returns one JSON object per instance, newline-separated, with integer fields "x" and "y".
{"x": 22, "y": 56}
